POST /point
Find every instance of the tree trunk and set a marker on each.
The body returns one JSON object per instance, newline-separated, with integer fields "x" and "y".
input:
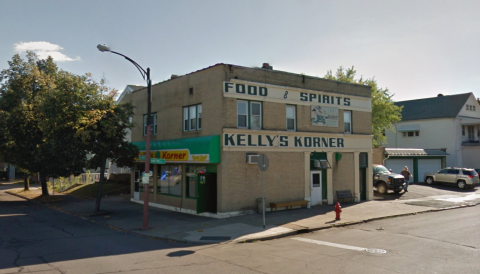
{"x": 43, "y": 180}
{"x": 26, "y": 181}
{"x": 100, "y": 186}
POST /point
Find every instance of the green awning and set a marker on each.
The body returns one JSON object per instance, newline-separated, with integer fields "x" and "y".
{"x": 205, "y": 149}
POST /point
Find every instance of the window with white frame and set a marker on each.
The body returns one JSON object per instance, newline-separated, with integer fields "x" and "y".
{"x": 291, "y": 118}
{"x": 153, "y": 128}
{"x": 347, "y": 121}
{"x": 192, "y": 118}
{"x": 249, "y": 114}
{"x": 411, "y": 133}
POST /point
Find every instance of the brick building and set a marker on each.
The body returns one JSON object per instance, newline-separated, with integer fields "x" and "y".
{"x": 211, "y": 124}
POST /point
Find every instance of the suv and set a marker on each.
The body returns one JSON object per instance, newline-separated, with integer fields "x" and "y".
{"x": 462, "y": 177}
{"x": 384, "y": 180}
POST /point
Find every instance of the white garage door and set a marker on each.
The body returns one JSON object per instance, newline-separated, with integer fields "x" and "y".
{"x": 428, "y": 165}
{"x": 397, "y": 165}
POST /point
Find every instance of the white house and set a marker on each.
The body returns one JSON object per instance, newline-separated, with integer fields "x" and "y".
{"x": 450, "y": 123}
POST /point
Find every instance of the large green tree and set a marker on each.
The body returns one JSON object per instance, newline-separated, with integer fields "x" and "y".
{"x": 49, "y": 117}
{"x": 384, "y": 111}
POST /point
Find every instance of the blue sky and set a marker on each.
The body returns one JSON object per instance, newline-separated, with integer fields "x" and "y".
{"x": 415, "y": 48}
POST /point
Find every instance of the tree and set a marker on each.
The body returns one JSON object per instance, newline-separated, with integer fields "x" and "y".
{"x": 44, "y": 112}
{"x": 106, "y": 140}
{"x": 384, "y": 111}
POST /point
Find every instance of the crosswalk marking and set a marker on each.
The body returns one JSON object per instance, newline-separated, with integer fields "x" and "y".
{"x": 356, "y": 248}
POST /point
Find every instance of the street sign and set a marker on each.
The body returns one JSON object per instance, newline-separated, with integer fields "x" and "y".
{"x": 263, "y": 162}
{"x": 142, "y": 157}
{"x": 157, "y": 161}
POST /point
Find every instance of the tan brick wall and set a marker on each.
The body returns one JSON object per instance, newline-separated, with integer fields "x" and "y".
{"x": 169, "y": 98}
{"x": 378, "y": 155}
{"x": 242, "y": 183}
{"x": 343, "y": 173}
{"x": 361, "y": 122}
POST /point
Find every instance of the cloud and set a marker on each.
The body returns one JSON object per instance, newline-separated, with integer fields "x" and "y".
{"x": 43, "y": 50}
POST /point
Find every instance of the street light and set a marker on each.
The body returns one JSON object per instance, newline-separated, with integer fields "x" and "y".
{"x": 103, "y": 48}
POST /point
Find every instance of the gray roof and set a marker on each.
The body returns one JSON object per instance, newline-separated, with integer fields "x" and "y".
{"x": 414, "y": 152}
{"x": 447, "y": 106}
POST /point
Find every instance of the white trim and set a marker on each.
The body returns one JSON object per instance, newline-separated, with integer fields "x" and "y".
{"x": 218, "y": 215}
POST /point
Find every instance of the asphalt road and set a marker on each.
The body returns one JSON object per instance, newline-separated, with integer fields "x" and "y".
{"x": 34, "y": 238}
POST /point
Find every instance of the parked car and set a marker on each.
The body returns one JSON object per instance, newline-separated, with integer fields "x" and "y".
{"x": 384, "y": 179}
{"x": 462, "y": 177}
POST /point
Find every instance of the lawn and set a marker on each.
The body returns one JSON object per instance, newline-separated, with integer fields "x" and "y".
{"x": 90, "y": 191}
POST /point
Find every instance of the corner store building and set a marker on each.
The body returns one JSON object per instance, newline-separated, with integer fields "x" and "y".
{"x": 208, "y": 121}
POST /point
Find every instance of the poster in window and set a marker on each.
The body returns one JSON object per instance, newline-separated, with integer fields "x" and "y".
{"x": 324, "y": 116}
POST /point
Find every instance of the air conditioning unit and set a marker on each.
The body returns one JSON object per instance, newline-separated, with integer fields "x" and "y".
{"x": 252, "y": 159}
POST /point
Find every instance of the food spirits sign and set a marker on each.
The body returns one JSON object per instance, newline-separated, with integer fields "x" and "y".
{"x": 282, "y": 94}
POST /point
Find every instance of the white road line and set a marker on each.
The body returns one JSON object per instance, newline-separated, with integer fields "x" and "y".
{"x": 356, "y": 248}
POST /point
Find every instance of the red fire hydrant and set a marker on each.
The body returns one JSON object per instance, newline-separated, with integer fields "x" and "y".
{"x": 338, "y": 209}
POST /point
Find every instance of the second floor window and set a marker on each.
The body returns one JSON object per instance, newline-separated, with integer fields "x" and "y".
{"x": 249, "y": 114}
{"x": 347, "y": 121}
{"x": 192, "y": 118}
{"x": 153, "y": 128}
{"x": 291, "y": 118}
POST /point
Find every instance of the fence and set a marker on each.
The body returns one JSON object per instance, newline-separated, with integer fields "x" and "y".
{"x": 62, "y": 183}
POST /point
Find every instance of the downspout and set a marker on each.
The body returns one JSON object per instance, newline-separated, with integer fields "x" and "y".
{"x": 384, "y": 159}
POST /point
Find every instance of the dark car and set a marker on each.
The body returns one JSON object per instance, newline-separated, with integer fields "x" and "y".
{"x": 384, "y": 179}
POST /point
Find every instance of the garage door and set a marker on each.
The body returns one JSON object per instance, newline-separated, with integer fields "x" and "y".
{"x": 397, "y": 165}
{"x": 428, "y": 165}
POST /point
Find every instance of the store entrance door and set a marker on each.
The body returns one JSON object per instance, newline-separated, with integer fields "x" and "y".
{"x": 206, "y": 192}
{"x": 136, "y": 185}
{"x": 316, "y": 187}
{"x": 363, "y": 184}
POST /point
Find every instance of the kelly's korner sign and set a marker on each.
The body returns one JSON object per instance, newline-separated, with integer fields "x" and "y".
{"x": 282, "y": 94}
{"x": 266, "y": 140}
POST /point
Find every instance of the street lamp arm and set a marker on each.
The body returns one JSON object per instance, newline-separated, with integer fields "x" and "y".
{"x": 142, "y": 71}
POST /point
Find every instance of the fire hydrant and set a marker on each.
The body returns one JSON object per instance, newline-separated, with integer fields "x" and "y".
{"x": 338, "y": 209}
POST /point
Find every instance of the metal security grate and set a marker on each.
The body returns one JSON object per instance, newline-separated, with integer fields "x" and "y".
{"x": 215, "y": 238}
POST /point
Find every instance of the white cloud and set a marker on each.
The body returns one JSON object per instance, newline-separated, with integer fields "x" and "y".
{"x": 43, "y": 50}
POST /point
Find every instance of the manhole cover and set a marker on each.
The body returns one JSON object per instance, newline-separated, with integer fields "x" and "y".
{"x": 376, "y": 251}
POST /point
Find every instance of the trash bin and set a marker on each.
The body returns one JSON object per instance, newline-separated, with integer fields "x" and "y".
{"x": 260, "y": 206}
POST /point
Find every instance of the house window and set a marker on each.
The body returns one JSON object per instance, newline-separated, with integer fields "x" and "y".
{"x": 467, "y": 107}
{"x": 169, "y": 178}
{"x": 153, "y": 128}
{"x": 192, "y": 118}
{"x": 291, "y": 118}
{"x": 249, "y": 114}
{"x": 411, "y": 133}
{"x": 463, "y": 130}
{"x": 347, "y": 121}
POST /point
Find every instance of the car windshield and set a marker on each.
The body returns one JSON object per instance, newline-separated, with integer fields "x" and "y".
{"x": 381, "y": 169}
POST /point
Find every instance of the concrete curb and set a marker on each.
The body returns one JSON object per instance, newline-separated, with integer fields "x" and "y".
{"x": 312, "y": 229}
{"x": 251, "y": 240}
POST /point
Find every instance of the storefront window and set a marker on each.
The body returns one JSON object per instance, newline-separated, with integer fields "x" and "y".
{"x": 191, "y": 172}
{"x": 170, "y": 179}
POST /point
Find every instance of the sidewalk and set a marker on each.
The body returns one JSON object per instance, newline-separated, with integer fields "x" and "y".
{"x": 128, "y": 216}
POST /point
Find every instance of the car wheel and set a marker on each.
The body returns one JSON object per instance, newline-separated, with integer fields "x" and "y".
{"x": 461, "y": 184}
{"x": 382, "y": 188}
{"x": 429, "y": 180}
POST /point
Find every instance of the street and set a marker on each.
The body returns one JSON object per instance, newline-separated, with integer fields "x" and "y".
{"x": 35, "y": 238}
